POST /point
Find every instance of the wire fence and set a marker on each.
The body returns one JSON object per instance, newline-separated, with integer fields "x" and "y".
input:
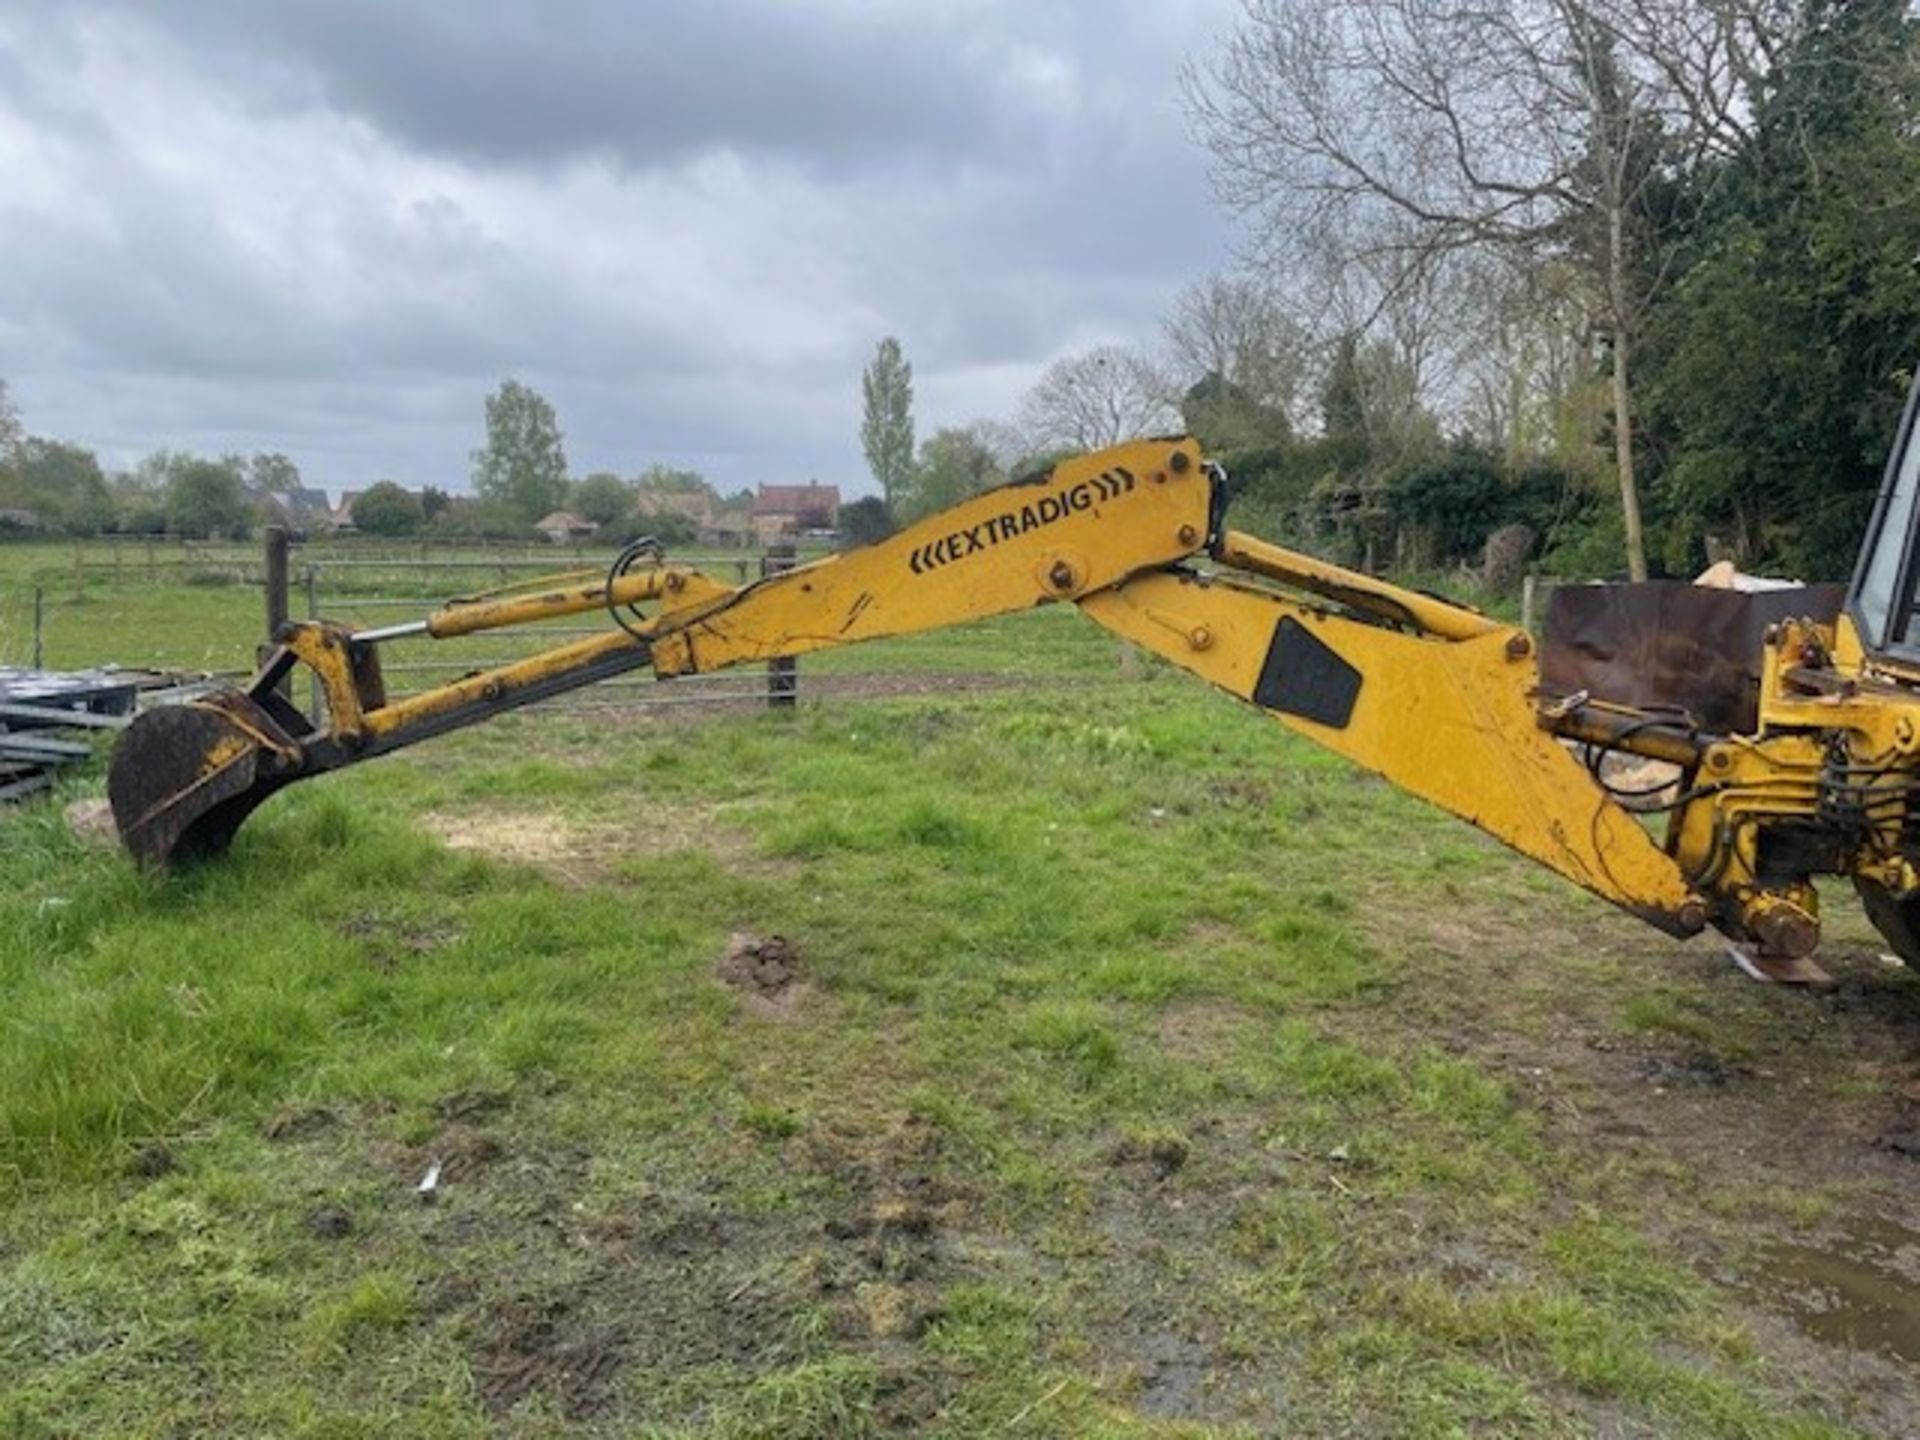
{"x": 23, "y": 626}
{"x": 197, "y": 608}
{"x": 76, "y": 565}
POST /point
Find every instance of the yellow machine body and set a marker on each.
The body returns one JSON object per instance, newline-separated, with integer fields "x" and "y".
{"x": 1441, "y": 700}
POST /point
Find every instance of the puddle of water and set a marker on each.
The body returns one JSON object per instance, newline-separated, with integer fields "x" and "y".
{"x": 1861, "y": 1291}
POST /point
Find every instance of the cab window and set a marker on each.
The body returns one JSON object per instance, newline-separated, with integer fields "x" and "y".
{"x": 1883, "y": 592}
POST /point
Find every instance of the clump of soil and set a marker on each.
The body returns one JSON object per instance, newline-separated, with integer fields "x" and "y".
{"x": 766, "y": 969}
{"x": 765, "y": 966}
{"x": 329, "y": 1222}
{"x": 154, "y": 1161}
{"x": 1160, "y": 1154}
{"x": 91, "y": 822}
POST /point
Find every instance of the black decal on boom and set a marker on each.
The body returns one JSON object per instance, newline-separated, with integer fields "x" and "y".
{"x": 1304, "y": 676}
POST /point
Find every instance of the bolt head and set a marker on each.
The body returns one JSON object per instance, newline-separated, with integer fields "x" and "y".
{"x": 1178, "y": 462}
{"x": 1188, "y": 535}
{"x": 1061, "y": 575}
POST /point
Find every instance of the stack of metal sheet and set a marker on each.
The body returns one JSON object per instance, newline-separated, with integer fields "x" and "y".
{"x": 47, "y": 718}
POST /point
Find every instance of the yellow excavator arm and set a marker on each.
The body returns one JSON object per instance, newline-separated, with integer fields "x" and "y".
{"x": 1441, "y": 700}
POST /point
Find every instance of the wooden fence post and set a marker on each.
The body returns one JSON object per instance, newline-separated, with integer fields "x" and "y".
{"x": 783, "y": 680}
{"x": 1526, "y": 601}
{"x": 39, "y": 628}
{"x": 276, "y": 588}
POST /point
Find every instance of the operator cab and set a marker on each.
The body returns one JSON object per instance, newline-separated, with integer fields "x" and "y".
{"x": 1882, "y": 603}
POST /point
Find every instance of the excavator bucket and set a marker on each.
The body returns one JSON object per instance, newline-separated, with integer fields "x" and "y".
{"x": 184, "y": 777}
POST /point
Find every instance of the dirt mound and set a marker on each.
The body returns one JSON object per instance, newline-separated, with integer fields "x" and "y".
{"x": 766, "y": 969}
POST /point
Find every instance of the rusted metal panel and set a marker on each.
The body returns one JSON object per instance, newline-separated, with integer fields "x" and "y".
{"x": 1669, "y": 644}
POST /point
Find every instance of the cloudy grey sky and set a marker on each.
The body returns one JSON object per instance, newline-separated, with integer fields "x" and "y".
{"x": 330, "y": 226}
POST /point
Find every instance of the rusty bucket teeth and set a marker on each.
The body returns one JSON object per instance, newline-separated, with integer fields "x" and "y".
{"x": 184, "y": 777}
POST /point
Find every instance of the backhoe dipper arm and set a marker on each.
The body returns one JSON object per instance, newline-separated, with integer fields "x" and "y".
{"x": 1435, "y": 697}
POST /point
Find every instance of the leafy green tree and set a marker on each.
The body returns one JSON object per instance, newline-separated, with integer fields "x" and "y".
{"x": 886, "y": 427}
{"x": 523, "y": 465}
{"x": 1225, "y": 415}
{"x": 272, "y": 471}
{"x": 205, "y": 497}
{"x": 138, "y": 509}
{"x": 1777, "y": 368}
{"x": 64, "y": 485}
{"x": 469, "y": 516}
{"x": 662, "y": 525}
{"x": 602, "y": 498}
{"x": 433, "y": 503}
{"x": 864, "y": 521}
{"x": 388, "y": 508}
{"x": 1454, "y": 501}
{"x": 953, "y": 465}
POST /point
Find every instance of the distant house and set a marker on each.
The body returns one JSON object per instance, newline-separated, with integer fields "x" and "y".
{"x": 563, "y": 527}
{"x": 302, "y": 509}
{"x": 731, "y": 527}
{"x": 342, "y": 517}
{"x": 18, "y": 522}
{"x": 783, "y": 510}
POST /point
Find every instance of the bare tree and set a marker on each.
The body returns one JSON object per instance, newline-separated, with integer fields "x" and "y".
{"x": 1526, "y": 359}
{"x": 1098, "y": 397}
{"x": 1239, "y": 329}
{"x": 1398, "y": 133}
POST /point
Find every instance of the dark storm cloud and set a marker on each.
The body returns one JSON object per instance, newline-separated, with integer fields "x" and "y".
{"x": 648, "y": 84}
{"x": 329, "y": 228}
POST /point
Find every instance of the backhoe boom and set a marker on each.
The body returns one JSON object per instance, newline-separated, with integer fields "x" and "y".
{"x": 1439, "y": 699}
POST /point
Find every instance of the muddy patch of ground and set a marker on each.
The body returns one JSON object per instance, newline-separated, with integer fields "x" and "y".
{"x": 389, "y": 942}
{"x": 766, "y": 972}
{"x": 1164, "y": 1209}
{"x": 662, "y": 1301}
{"x": 630, "y": 1305}
{"x": 1743, "y": 1109}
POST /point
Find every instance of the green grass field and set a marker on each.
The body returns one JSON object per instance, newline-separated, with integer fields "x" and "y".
{"x": 1144, "y": 1073}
